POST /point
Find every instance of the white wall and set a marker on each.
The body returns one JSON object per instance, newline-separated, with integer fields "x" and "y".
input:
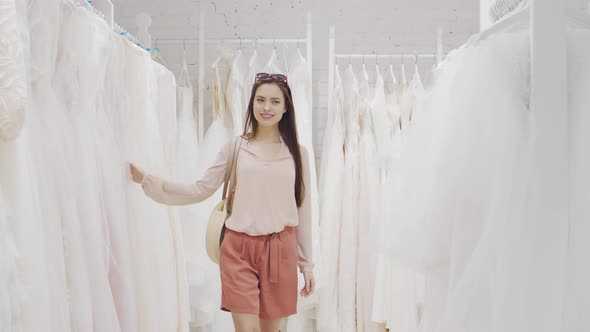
{"x": 382, "y": 26}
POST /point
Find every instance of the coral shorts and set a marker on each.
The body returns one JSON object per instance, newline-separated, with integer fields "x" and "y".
{"x": 259, "y": 274}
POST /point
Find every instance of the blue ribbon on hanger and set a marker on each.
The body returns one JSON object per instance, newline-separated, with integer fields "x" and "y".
{"x": 241, "y": 47}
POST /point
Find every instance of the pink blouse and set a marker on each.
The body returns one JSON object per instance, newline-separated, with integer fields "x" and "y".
{"x": 264, "y": 200}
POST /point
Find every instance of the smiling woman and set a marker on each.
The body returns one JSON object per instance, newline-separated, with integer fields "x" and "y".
{"x": 264, "y": 241}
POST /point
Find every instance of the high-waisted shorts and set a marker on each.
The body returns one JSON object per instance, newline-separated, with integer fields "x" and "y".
{"x": 259, "y": 273}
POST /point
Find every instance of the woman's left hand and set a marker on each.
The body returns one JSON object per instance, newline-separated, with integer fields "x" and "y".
{"x": 309, "y": 287}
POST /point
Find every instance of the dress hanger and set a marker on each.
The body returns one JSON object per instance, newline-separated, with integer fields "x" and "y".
{"x": 273, "y": 55}
{"x": 393, "y": 78}
{"x": 219, "y": 57}
{"x": 416, "y": 71}
{"x": 254, "y": 54}
{"x": 434, "y": 63}
{"x": 377, "y": 69}
{"x": 299, "y": 51}
{"x": 285, "y": 46}
{"x": 184, "y": 65}
{"x": 364, "y": 72}
{"x": 404, "y": 80}
{"x": 156, "y": 56}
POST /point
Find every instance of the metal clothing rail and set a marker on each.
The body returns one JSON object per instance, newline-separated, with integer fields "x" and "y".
{"x": 256, "y": 41}
{"x": 201, "y": 68}
{"x": 386, "y": 56}
{"x": 231, "y": 41}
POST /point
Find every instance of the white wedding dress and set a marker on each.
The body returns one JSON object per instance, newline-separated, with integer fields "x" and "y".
{"x": 464, "y": 182}
{"x": 253, "y": 68}
{"x": 23, "y": 262}
{"x": 152, "y": 239}
{"x": 372, "y": 130}
{"x": 186, "y": 161}
{"x": 350, "y": 208}
{"x": 330, "y": 189}
{"x": 81, "y": 78}
{"x": 300, "y": 84}
{"x": 112, "y": 171}
{"x": 52, "y": 140}
{"x": 88, "y": 253}
{"x": 235, "y": 104}
{"x": 166, "y": 109}
{"x": 219, "y": 133}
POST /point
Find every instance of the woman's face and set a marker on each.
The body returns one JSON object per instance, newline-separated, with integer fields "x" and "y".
{"x": 269, "y": 105}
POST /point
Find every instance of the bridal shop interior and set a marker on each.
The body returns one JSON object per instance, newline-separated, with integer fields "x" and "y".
{"x": 449, "y": 167}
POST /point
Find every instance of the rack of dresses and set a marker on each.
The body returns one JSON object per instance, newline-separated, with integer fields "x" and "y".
{"x": 368, "y": 121}
{"x": 307, "y": 41}
{"x": 93, "y": 252}
{"x": 492, "y": 178}
{"x": 332, "y": 56}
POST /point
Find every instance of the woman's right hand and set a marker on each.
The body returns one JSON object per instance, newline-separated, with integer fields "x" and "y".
{"x": 137, "y": 173}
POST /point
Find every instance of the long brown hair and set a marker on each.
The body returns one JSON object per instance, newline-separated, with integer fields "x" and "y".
{"x": 287, "y": 128}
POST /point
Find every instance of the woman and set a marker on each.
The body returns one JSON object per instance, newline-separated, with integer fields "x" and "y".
{"x": 269, "y": 231}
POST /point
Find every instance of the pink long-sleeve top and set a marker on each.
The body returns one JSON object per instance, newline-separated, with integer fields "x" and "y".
{"x": 264, "y": 200}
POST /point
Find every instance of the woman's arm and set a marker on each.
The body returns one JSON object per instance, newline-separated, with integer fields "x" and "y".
{"x": 172, "y": 193}
{"x": 304, "y": 240}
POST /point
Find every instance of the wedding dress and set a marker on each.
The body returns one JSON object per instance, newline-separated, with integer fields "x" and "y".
{"x": 350, "y": 210}
{"x": 300, "y": 84}
{"x": 464, "y": 182}
{"x": 397, "y": 290}
{"x": 12, "y": 104}
{"x": 81, "y": 78}
{"x": 371, "y": 110}
{"x": 187, "y": 157}
{"x": 253, "y": 68}
{"x": 203, "y": 275}
{"x": 235, "y": 86}
{"x": 220, "y": 132}
{"x": 51, "y": 138}
{"x": 330, "y": 185}
{"x": 23, "y": 269}
{"x": 112, "y": 170}
{"x": 152, "y": 239}
{"x": 166, "y": 109}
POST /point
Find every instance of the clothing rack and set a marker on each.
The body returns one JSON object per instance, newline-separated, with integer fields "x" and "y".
{"x": 396, "y": 56}
{"x": 201, "y": 68}
{"x": 333, "y": 56}
{"x": 106, "y": 10}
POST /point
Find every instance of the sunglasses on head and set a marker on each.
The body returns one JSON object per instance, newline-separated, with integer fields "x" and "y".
{"x": 273, "y": 77}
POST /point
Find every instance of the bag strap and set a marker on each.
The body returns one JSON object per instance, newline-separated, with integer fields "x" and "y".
{"x": 230, "y": 169}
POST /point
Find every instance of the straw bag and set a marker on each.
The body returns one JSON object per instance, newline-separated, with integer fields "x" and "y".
{"x": 216, "y": 224}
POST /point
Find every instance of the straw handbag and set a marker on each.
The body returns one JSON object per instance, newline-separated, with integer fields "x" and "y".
{"x": 216, "y": 225}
